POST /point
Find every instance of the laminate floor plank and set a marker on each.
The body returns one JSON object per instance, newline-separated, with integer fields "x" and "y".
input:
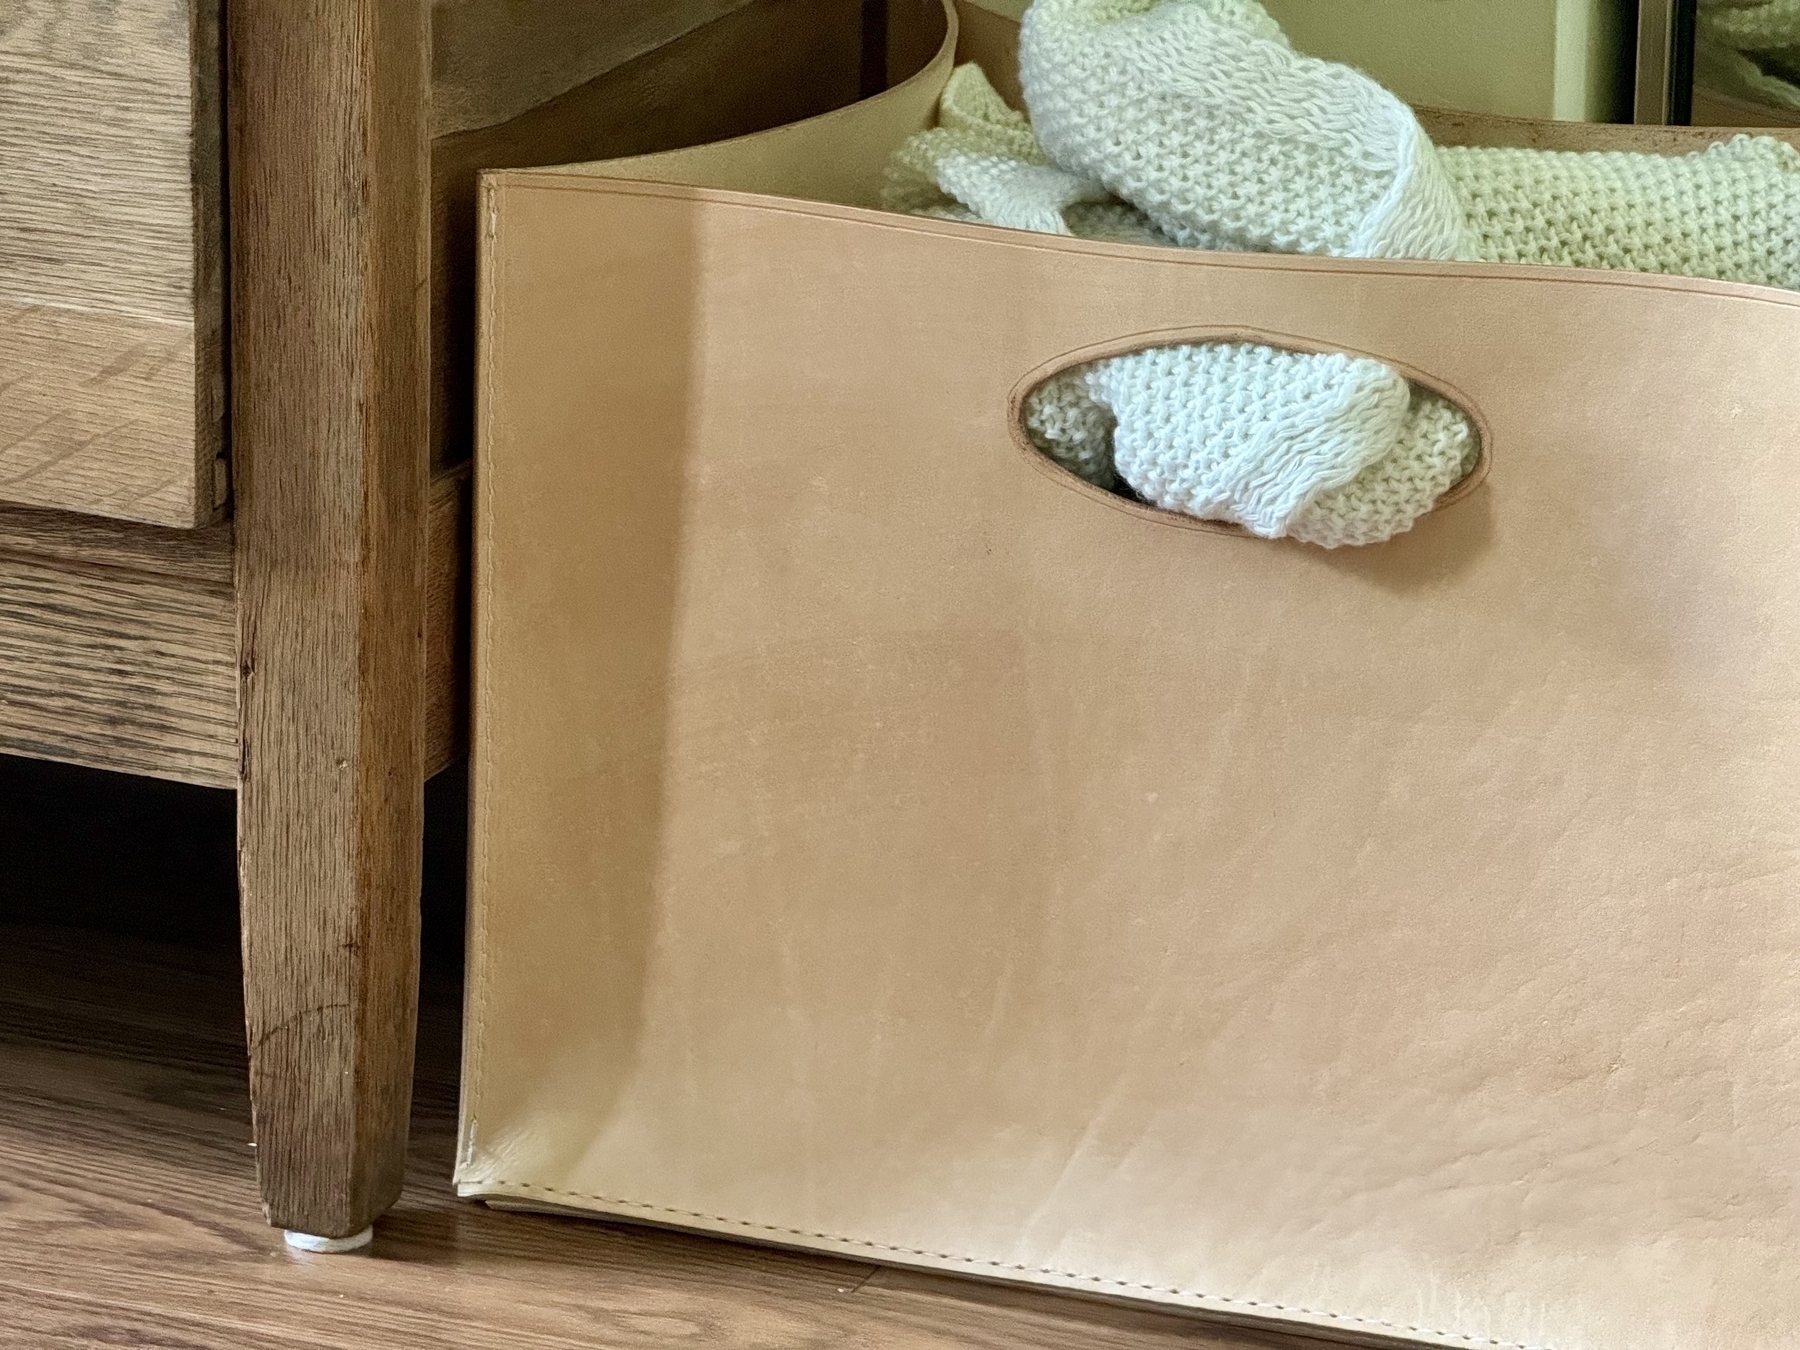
{"x": 128, "y": 1212}
{"x": 128, "y": 1203}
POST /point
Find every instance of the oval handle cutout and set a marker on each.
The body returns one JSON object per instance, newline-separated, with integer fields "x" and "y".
{"x": 1256, "y": 434}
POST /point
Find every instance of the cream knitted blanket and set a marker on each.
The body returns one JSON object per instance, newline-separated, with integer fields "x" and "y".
{"x": 1192, "y": 122}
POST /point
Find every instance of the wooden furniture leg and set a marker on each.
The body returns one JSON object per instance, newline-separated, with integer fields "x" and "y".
{"x": 328, "y": 124}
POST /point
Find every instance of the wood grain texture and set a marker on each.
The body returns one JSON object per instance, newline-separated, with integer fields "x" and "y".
{"x": 762, "y": 64}
{"x": 111, "y": 258}
{"x": 97, "y": 126}
{"x": 118, "y": 643}
{"x": 117, "y": 669}
{"x": 329, "y": 207}
{"x": 447, "y": 621}
{"x": 93, "y": 407}
{"x": 92, "y": 541}
{"x": 127, "y": 1212}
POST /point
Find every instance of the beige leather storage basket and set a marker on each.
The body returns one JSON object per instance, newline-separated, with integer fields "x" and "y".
{"x": 886, "y": 844}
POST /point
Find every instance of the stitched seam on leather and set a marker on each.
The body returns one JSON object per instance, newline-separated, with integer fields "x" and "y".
{"x": 554, "y": 180}
{"x": 1258, "y": 1304}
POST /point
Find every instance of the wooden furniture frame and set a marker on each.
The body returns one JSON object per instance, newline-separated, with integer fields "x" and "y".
{"x": 265, "y": 590}
{"x": 285, "y": 652}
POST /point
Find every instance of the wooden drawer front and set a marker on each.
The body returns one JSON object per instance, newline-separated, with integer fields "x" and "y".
{"x": 111, "y": 258}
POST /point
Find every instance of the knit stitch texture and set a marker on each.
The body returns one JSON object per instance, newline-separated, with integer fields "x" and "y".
{"x": 1332, "y": 450}
{"x": 1193, "y": 122}
{"x": 1200, "y": 114}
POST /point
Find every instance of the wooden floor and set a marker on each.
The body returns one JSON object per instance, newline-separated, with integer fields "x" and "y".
{"x": 128, "y": 1212}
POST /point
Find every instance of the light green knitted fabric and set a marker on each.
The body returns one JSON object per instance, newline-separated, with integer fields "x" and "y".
{"x": 982, "y": 163}
{"x": 1200, "y": 114}
{"x": 1373, "y": 452}
{"x": 1730, "y": 212}
{"x": 1327, "y": 449}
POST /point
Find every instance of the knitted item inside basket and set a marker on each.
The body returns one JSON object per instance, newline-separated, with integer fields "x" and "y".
{"x": 1329, "y": 449}
{"x": 1193, "y": 122}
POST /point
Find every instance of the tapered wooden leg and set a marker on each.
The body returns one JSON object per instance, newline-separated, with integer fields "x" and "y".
{"x": 328, "y": 189}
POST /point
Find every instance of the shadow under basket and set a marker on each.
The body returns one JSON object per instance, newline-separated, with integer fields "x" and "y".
{"x": 886, "y": 844}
